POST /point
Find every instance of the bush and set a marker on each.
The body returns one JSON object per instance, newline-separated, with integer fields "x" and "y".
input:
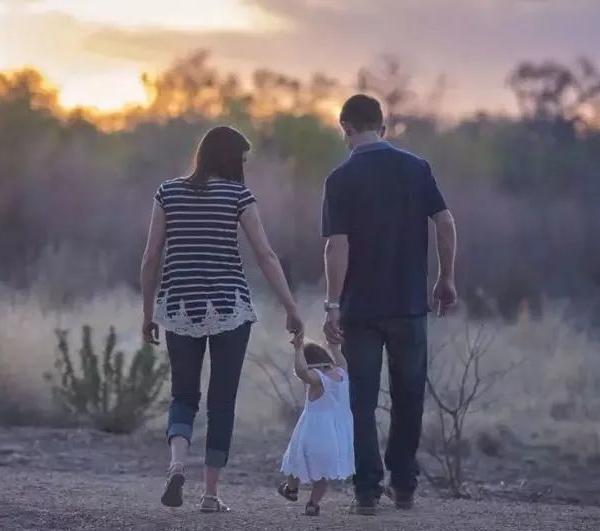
{"x": 455, "y": 388}
{"x": 281, "y": 385}
{"x": 113, "y": 399}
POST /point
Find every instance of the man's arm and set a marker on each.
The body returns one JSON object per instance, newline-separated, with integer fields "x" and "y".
{"x": 338, "y": 357}
{"x": 444, "y": 291}
{"x": 336, "y": 267}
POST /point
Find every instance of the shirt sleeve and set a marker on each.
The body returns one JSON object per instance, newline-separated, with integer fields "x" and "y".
{"x": 434, "y": 200}
{"x": 159, "y": 196}
{"x": 245, "y": 199}
{"x": 335, "y": 217}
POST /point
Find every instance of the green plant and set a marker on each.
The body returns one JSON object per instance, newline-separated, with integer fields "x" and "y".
{"x": 103, "y": 391}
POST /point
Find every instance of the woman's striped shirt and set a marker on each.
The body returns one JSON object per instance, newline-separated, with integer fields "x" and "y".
{"x": 203, "y": 289}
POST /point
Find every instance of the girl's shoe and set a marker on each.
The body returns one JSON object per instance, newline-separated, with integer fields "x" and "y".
{"x": 173, "y": 494}
{"x": 285, "y": 491}
{"x": 312, "y": 509}
{"x": 212, "y": 504}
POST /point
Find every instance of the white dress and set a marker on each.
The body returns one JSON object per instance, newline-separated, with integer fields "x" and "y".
{"x": 322, "y": 444}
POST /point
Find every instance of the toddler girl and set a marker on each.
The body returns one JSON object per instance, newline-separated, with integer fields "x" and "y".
{"x": 321, "y": 446}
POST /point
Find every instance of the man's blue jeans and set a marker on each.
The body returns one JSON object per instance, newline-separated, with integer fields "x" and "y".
{"x": 405, "y": 340}
{"x": 186, "y": 354}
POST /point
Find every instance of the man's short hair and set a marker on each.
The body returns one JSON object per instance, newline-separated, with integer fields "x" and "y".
{"x": 363, "y": 113}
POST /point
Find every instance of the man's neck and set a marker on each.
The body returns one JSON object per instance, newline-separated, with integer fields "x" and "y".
{"x": 364, "y": 138}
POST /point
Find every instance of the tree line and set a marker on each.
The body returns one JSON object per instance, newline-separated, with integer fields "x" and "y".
{"x": 525, "y": 189}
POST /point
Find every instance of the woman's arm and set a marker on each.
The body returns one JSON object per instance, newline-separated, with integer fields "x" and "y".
{"x": 338, "y": 357}
{"x": 270, "y": 266}
{"x": 150, "y": 269}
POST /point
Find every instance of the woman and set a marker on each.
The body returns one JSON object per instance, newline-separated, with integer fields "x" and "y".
{"x": 203, "y": 298}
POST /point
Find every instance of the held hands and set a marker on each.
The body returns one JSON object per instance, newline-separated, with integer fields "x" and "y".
{"x": 298, "y": 342}
{"x": 295, "y": 326}
{"x": 444, "y": 295}
{"x": 150, "y": 332}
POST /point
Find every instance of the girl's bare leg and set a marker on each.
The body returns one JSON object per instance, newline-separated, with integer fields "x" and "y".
{"x": 292, "y": 482}
{"x": 318, "y": 491}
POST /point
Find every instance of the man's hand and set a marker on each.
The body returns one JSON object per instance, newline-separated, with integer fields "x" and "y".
{"x": 332, "y": 327}
{"x": 150, "y": 332}
{"x": 444, "y": 295}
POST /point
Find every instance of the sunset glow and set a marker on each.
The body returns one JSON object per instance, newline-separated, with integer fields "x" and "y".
{"x": 95, "y": 52}
{"x": 85, "y": 46}
{"x": 234, "y": 15}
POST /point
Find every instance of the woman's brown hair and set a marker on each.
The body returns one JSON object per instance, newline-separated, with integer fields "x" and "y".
{"x": 220, "y": 154}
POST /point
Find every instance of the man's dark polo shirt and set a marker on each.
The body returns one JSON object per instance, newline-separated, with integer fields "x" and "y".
{"x": 381, "y": 198}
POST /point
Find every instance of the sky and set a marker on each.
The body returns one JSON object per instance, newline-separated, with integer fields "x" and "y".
{"x": 95, "y": 52}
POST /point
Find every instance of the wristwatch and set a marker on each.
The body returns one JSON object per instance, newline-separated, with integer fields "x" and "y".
{"x": 331, "y": 306}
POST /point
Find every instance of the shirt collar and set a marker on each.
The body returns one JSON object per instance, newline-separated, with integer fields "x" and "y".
{"x": 372, "y": 146}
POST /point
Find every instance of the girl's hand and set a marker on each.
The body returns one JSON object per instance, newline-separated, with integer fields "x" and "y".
{"x": 297, "y": 341}
{"x": 294, "y": 324}
{"x": 150, "y": 332}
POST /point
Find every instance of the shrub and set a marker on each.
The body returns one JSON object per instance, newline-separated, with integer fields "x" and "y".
{"x": 103, "y": 391}
{"x": 281, "y": 385}
{"x": 455, "y": 389}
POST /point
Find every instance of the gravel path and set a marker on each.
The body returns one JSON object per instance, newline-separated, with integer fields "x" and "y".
{"x": 64, "y": 500}
{"x": 53, "y": 479}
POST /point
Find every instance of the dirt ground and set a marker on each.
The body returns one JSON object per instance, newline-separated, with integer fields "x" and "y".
{"x": 84, "y": 479}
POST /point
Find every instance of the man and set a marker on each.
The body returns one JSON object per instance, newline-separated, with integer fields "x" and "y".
{"x": 376, "y": 208}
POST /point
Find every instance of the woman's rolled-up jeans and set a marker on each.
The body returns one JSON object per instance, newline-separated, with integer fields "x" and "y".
{"x": 186, "y": 354}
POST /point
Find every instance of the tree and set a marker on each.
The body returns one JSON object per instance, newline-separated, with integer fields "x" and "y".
{"x": 391, "y": 83}
{"x": 30, "y": 88}
{"x": 191, "y": 86}
{"x": 551, "y": 91}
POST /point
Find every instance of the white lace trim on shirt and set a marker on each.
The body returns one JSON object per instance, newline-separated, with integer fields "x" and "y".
{"x": 213, "y": 323}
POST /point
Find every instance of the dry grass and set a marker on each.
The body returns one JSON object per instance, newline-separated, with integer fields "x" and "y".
{"x": 552, "y": 396}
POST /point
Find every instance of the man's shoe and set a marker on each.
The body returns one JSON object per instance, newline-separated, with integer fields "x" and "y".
{"x": 402, "y": 499}
{"x": 364, "y": 505}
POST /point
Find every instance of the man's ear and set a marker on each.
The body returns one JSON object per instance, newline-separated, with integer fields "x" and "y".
{"x": 383, "y": 131}
{"x": 348, "y": 128}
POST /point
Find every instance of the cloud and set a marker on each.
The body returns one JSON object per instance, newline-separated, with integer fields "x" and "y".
{"x": 474, "y": 42}
{"x": 18, "y": 2}
{"x": 16, "y": 5}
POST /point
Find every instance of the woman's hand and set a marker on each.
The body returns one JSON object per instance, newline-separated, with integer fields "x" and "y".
{"x": 294, "y": 324}
{"x": 150, "y": 332}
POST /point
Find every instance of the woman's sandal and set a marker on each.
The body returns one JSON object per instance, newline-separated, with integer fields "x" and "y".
{"x": 287, "y": 493}
{"x": 173, "y": 494}
{"x": 212, "y": 504}
{"x": 312, "y": 509}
